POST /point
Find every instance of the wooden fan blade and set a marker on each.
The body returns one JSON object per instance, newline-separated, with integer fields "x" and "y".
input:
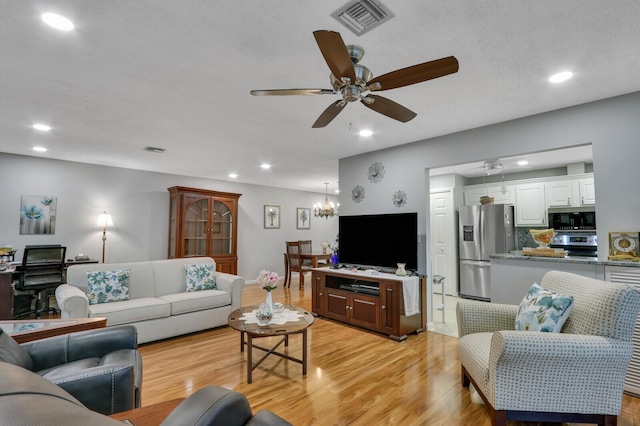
{"x": 335, "y": 54}
{"x": 390, "y": 109}
{"x": 329, "y": 114}
{"x": 286, "y": 92}
{"x": 416, "y": 74}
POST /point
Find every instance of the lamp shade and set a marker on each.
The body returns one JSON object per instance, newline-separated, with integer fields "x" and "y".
{"x": 104, "y": 221}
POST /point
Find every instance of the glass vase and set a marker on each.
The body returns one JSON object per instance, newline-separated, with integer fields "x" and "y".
{"x": 269, "y": 301}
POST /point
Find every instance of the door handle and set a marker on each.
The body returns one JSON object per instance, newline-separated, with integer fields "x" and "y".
{"x": 473, "y": 263}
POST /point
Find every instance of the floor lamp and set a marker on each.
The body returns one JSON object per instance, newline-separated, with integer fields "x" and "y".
{"x": 104, "y": 222}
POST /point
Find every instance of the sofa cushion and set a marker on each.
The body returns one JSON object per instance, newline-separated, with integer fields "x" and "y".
{"x": 12, "y": 353}
{"x": 169, "y": 275}
{"x": 108, "y": 286}
{"x": 543, "y": 310}
{"x": 141, "y": 277}
{"x": 200, "y": 277}
{"x": 133, "y": 310}
{"x": 182, "y": 303}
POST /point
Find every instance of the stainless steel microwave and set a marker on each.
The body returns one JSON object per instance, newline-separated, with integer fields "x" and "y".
{"x": 572, "y": 220}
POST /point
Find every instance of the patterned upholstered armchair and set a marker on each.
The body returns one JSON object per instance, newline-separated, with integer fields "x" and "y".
{"x": 576, "y": 375}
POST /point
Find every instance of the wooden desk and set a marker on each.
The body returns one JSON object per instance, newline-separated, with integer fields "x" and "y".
{"x": 151, "y": 415}
{"x": 43, "y": 328}
{"x": 6, "y": 295}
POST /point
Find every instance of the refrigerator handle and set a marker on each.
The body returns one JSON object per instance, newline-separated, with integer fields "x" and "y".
{"x": 482, "y": 264}
{"x": 481, "y": 227}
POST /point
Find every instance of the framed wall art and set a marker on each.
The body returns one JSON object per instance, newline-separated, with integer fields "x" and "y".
{"x": 303, "y": 218}
{"x": 271, "y": 217}
{"x": 38, "y": 214}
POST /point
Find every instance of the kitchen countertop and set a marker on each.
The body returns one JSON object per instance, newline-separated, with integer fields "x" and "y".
{"x": 517, "y": 255}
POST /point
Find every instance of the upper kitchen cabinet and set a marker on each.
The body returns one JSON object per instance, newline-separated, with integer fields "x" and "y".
{"x": 531, "y": 205}
{"x": 571, "y": 192}
{"x": 587, "y": 191}
{"x": 204, "y": 223}
{"x": 502, "y": 194}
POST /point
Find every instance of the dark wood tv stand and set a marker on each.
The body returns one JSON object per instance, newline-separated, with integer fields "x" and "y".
{"x": 351, "y": 297}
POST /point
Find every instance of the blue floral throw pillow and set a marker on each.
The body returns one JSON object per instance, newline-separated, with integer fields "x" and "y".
{"x": 542, "y": 310}
{"x": 200, "y": 277}
{"x": 108, "y": 286}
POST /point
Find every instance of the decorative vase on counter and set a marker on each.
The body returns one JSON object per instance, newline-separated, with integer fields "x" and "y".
{"x": 401, "y": 271}
{"x": 334, "y": 259}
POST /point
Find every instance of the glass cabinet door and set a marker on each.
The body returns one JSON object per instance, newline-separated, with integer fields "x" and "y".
{"x": 221, "y": 228}
{"x": 195, "y": 228}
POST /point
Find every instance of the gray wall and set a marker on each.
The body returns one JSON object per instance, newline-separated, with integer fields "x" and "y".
{"x": 139, "y": 204}
{"x": 610, "y": 125}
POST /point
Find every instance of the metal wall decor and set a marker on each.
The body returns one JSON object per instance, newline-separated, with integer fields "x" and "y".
{"x": 357, "y": 194}
{"x": 399, "y": 198}
{"x": 376, "y": 172}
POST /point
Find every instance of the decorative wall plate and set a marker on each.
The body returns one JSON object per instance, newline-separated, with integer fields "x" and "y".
{"x": 376, "y": 172}
{"x": 357, "y": 194}
{"x": 399, "y": 198}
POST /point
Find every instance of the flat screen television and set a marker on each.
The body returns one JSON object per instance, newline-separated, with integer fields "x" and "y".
{"x": 379, "y": 240}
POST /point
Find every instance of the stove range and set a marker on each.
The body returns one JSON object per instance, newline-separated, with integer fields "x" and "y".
{"x": 576, "y": 243}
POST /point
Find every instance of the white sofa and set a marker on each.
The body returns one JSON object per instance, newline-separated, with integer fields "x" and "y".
{"x": 158, "y": 304}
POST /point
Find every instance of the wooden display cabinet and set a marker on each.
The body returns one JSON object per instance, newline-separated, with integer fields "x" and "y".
{"x": 378, "y": 304}
{"x": 204, "y": 223}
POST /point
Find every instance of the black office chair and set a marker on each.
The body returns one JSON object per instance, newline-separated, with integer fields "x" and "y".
{"x": 42, "y": 268}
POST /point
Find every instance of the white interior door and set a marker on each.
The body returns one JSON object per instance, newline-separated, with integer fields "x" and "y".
{"x": 444, "y": 257}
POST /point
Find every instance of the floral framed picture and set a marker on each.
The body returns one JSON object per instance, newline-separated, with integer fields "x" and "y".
{"x": 271, "y": 217}
{"x": 303, "y": 218}
{"x": 38, "y": 214}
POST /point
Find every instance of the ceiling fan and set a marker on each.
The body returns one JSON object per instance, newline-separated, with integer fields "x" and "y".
{"x": 352, "y": 81}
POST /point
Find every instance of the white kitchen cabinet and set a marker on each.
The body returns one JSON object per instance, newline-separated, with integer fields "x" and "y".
{"x": 472, "y": 195}
{"x": 531, "y": 205}
{"x": 587, "y": 192}
{"x": 502, "y": 194}
{"x": 561, "y": 193}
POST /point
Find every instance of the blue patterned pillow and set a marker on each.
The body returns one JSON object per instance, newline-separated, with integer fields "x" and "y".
{"x": 200, "y": 277}
{"x": 108, "y": 286}
{"x": 542, "y": 310}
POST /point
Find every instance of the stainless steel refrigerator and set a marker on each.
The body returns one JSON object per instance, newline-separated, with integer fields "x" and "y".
{"x": 484, "y": 230}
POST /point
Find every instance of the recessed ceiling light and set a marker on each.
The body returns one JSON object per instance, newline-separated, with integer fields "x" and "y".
{"x": 560, "y": 77}
{"x": 366, "y": 133}
{"x": 42, "y": 127}
{"x": 522, "y": 163}
{"x": 233, "y": 175}
{"x": 39, "y": 149}
{"x": 58, "y": 22}
{"x": 265, "y": 166}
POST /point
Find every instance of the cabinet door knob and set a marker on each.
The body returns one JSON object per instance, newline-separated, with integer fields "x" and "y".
{"x": 384, "y": 307}
{"x": 320, "y": 294}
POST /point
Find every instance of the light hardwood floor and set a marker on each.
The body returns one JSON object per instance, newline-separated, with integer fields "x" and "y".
{"x": 354, "y": 377}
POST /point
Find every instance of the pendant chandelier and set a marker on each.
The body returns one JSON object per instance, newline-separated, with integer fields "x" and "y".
{"x": 328, "y": 210}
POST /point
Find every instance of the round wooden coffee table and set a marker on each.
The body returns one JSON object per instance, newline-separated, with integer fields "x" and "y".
{"x": 237, "y": 320}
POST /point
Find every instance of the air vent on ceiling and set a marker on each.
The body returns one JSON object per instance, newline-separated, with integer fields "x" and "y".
{"x": 361, "y": 16}
{"x": 154, "y": 149}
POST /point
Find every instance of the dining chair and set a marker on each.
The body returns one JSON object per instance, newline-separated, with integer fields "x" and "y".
{"x": 306, "y": 248}
{"x": 295, "y": 264}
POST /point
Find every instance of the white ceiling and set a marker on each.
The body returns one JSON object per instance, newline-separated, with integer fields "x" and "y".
{"x": 177, "y": 75}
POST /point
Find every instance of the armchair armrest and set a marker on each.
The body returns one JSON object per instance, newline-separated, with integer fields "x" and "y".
{"x": 233, "y": 284}
{"x": 106, "y": 388}
{"x": 483, "y": 317}
{"x": 72, "y": 301}
{"x": 57, "y": 350}
{"x": 564, "y": 366}
{"x": 215, "y": 405}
